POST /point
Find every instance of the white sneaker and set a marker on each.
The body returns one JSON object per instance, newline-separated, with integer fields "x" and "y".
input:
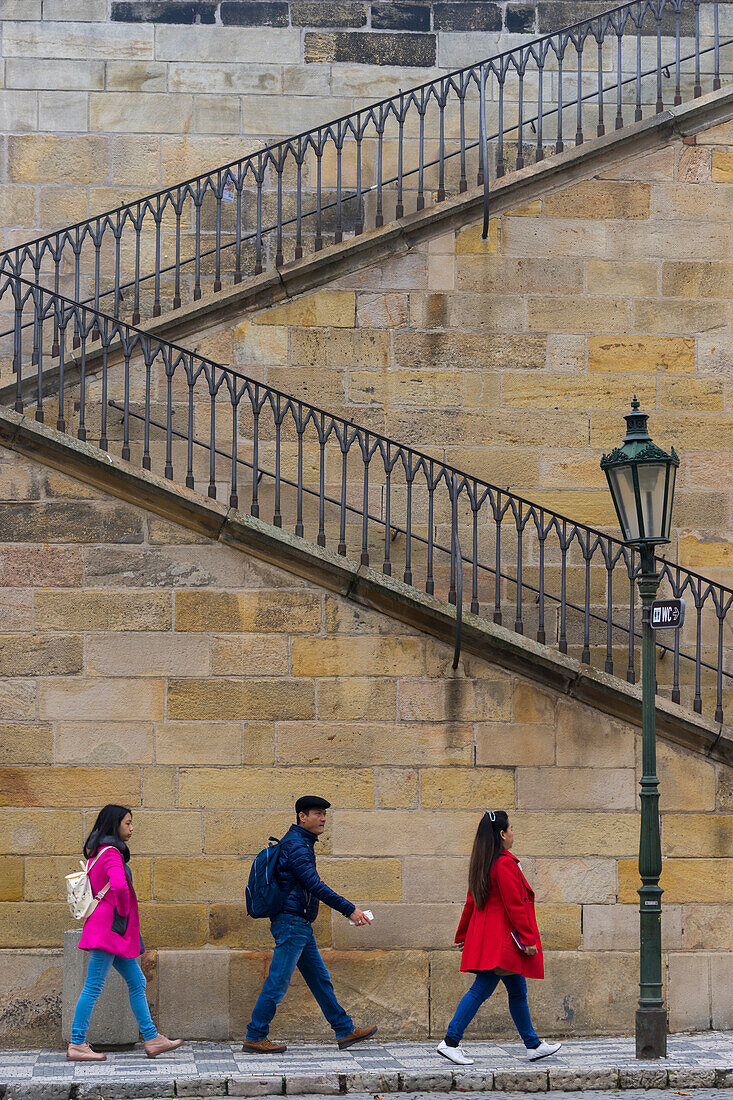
{"x": 454, "y": 1054}
{"x": 544, "y": 1050}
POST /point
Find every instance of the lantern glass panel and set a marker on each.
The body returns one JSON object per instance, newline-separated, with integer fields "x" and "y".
{"x": 652, "y": 481}
{"x": 670, "y": 499}
{"x": 621, "y": 481}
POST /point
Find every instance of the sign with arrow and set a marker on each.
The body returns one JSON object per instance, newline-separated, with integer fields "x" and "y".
{"x": 668, "y": 614}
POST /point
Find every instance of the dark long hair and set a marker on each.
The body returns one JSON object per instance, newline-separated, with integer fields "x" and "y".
{"x": 487, "y": 847}
{"x": 107, "y": 824}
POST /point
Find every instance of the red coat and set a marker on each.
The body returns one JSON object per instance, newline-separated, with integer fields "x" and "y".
{"x": 486, "y": 933}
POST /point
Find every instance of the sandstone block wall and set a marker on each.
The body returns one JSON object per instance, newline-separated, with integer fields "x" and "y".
{"x": 515, "y": 358}
{"x": 102, "y": 101}
{"x": 144, "y": 664}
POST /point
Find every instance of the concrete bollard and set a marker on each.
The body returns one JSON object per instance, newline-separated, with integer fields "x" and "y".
{"x": 113, "y": 1023}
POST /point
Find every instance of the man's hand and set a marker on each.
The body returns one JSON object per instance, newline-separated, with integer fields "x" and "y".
{"x": 531, "y": 950}
{"x": 357, "y": 917}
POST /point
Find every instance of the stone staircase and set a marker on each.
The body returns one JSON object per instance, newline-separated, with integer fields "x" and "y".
{"x": 146, "y": 395}
{"x": 119, "y": 391}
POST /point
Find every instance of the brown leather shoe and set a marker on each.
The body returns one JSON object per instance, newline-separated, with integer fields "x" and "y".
{"x": 161, "y": 1045}
{"x": 358, "y": 1035}
{"x": 82, "y": 1052}
{"x": 262, "y": 1046}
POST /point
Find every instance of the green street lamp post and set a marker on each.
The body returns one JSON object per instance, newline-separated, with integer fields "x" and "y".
{"x": 641, "y": 477}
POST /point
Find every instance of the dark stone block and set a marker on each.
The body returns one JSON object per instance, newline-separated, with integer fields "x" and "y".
{"x": 520, "y": 20}
{"x": 79, "y": 521}
{"x": 554, "y": 15}
{"x": 328, "y": 13}
{"x": 255, "y": 13}
{"x": 463, "y": 16}
{"x": 687, "y": 23}
{"x": 367, "y": 48}
{"x": 397, "y": 16}
{"x": 164, "y": 11}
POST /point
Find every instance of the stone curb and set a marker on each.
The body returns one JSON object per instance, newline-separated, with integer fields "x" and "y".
{"x": 560, "y": 1079}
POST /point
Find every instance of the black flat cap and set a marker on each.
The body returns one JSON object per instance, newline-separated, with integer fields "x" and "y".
{"x": 310, "y": 802}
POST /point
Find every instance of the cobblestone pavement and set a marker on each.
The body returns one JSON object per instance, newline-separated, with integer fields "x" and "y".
{"x": 703, "y": 1060}
{"x": 627, "y": 1094}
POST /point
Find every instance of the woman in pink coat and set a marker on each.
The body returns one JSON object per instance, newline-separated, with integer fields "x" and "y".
{"x": 112, "y": 935}
{"x": 499, "y": 936}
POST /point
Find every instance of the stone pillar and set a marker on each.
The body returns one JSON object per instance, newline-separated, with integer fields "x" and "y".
{"x": 112, "y": 1023}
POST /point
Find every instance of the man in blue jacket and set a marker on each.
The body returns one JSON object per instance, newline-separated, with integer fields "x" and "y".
{"x": 295, "y": 944}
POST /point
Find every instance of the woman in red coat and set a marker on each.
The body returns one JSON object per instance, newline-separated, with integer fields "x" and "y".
{"x": 500, "y": 938}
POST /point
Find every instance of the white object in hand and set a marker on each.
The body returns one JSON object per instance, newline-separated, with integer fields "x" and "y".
{"x": 367, "y": 913}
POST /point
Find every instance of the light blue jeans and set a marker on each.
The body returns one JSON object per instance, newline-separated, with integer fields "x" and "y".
{"x": 482, "y": 988}
{"x": 100, "y": 964}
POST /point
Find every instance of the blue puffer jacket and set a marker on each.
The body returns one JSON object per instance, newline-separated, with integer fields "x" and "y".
{"x": 299, "y": 880}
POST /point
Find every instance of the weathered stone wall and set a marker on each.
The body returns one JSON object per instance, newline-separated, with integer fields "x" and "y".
{"x": 102, "y": 101}
{"x": 515, "y": 358}
{"x": 144, "y": 664}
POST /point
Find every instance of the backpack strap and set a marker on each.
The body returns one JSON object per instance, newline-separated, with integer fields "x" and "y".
{"x": 90, "y": 864}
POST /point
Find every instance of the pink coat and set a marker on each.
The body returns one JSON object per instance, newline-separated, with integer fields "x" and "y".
{"x": 118, "y": 906}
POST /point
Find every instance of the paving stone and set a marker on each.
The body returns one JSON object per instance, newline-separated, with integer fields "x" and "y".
{"x": 201, "y": 1086}
{"x": 471, "y": 1080}
{"x": 372, "y": 1082}
{"x": 521, "y": 1080}
{"x": 640, "y": 1078}
{"x": 567, "y": 1079}
{"x": 321, "y": 1083}
{"x": 36, "y": 1090}
{"x": 691, "y": 1078}
{"x": 699, "y": 1061}
{"x": 125, "y": 1088}
{"x": 255, "y": 1086}
{"x": 421, "y": 1081}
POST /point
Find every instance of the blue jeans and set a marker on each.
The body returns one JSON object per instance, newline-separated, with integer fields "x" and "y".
{"x": 482, "y": 988}
{"x": 295, "y": 945}
{"x": 100, "y": 963}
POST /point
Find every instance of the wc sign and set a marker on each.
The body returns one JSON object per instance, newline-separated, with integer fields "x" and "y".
{"x": 668, "y": 613}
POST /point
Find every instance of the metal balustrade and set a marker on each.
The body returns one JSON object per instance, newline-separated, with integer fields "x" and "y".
{"x": 346, "y": 487}
{"x": 401, "y": 154}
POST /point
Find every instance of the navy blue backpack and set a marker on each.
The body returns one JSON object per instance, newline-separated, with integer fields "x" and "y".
{"x": 262, "y": 894}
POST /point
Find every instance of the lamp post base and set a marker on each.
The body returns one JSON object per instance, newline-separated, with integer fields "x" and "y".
{"x": 651, "y": 1032}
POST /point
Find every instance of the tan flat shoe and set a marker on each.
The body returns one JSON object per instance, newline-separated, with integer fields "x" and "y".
{"x": 161, "y": 1045}
{"x": 82, "y": 1052}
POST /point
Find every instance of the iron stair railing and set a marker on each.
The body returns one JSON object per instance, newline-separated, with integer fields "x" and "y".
{"x": 413, "y": 149}
{"x": 341, "y": 485}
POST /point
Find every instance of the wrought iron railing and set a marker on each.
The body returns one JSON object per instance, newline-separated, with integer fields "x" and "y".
{"x": 401, "y": 154}
{"x": 349, "y": 488}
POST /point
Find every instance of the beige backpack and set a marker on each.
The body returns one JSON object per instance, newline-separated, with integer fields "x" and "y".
{"x": 82, "y": 901}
